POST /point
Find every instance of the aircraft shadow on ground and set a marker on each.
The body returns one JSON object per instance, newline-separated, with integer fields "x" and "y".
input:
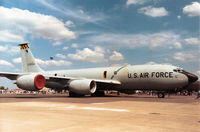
{"x": 89, "y": 100}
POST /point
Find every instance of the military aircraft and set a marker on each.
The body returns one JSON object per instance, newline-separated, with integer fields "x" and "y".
{"x": 93, "y": 81}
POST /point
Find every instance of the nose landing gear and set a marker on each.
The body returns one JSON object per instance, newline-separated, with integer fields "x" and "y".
{"x": 161, "y": 94}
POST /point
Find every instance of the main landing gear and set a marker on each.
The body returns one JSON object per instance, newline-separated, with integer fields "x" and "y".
{"x": 161, "y": 94}
{"x": 71, "y": 94}
{"x": 98, "y": 94}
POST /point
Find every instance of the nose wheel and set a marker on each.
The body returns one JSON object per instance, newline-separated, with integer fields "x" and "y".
{"x": 161, "y": 95}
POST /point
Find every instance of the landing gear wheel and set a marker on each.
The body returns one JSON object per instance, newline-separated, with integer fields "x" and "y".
{"x": 71, "y": 94}
{"x": 98, "y": 94}
{"x": 161, "y": 95}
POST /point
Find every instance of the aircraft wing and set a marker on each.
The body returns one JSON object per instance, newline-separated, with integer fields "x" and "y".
{"x": 107, "y": 84}
{"x": 11, "y": 76}
{"x": 98, "y": 81}
{"x": 61, "y": 80}
{"x": 108, "y": 81}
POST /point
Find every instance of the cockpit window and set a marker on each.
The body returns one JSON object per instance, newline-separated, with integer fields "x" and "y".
{"x": 178, "y": 70}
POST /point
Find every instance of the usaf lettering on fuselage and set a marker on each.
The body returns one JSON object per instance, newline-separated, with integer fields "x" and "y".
{"x": 151, "y": 75}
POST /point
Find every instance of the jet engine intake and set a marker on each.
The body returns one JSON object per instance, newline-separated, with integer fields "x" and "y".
{"x": 31, "y": 82}
{"x": 82, "y": 87}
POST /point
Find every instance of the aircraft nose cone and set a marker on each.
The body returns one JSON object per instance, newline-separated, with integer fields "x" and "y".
{"x": 191, "y": 77}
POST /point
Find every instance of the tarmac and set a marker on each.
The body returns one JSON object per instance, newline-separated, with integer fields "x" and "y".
{"x": 59, "y": 113}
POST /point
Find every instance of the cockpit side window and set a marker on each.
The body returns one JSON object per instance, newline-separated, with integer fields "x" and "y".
{"x": 178, "y": 70}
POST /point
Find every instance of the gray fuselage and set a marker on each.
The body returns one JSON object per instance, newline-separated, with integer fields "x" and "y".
{"x": 138, "y": 77}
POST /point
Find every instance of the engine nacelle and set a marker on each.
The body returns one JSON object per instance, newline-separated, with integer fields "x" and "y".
{"x": 31, "y": 82}
{"x": 84, "y": 86}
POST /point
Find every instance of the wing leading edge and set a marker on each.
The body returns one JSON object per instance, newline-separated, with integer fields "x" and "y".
{"x": 57, "y": 78}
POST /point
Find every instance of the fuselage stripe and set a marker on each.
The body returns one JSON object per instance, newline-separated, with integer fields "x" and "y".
{"x": 117, "y": 71}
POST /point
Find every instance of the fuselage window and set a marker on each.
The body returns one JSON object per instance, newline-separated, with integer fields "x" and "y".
{"x": 55, "y": 74}
{"x": 104, "y": 74}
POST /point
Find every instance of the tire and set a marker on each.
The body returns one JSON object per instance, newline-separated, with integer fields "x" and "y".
{"x": 161, "y": 95}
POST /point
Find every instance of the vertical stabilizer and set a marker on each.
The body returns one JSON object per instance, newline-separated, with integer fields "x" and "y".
{"x": 28, "y": 62}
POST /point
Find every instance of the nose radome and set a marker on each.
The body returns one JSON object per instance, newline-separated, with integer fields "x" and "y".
{"x": 191, "y": 77}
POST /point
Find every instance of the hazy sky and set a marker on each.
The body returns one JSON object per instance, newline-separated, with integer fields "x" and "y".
{"x": 96, "y": 33}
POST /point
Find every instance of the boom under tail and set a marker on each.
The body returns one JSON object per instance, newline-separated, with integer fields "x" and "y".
{"x": 28, "y": 61}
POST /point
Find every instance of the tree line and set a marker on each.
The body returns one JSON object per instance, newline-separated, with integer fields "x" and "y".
{"x": 3, "y": 88}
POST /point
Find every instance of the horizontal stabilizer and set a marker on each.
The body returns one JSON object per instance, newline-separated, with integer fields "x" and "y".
{"x": 11, "y": 76}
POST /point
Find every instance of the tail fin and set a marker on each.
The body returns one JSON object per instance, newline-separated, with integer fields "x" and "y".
{"x": 28, "y": 62}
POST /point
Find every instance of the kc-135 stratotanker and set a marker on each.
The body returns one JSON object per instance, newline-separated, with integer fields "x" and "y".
{"x": 93, "y": 81}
